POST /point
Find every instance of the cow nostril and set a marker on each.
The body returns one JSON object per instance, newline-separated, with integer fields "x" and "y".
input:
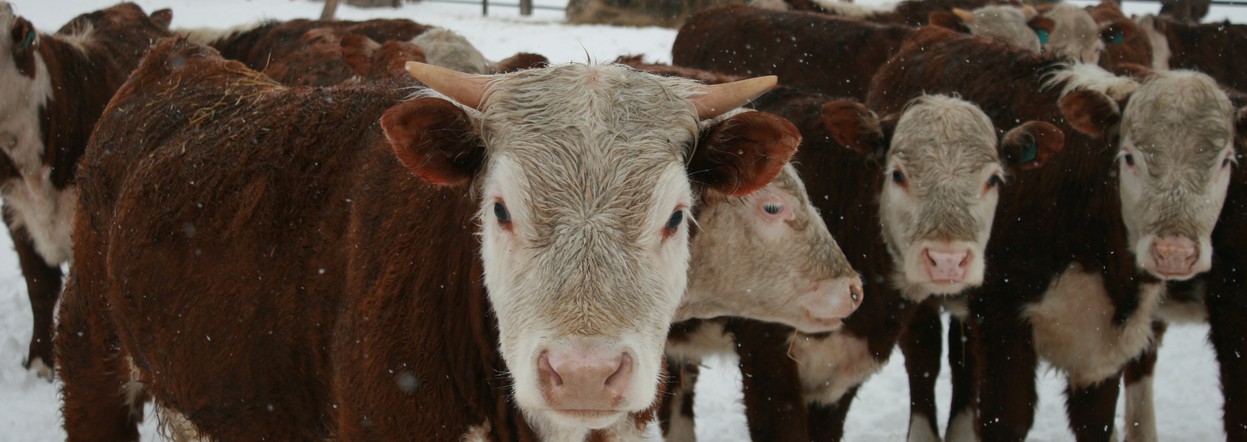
{"x": 549, "y": 375}
{"x": 619, "y": 379}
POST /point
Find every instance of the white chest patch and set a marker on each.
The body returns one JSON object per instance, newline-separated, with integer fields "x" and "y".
{"x": 1073, "y": 327}
{"x": 477, "y": 433}
{"x": 176, "y": 427}
{"x": 831, "y": 366}
{"x": 709, "y": 339}
{"x": 46, "y": 213}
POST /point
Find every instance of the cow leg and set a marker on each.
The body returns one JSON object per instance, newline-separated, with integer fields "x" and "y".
{"x": 774, "y": 403}
{"x": 920, "y": 343}
{"x": 1227, "y": 320}
{"x": 827, "y": 422}
{"x": 961, "y": 367}
{"x": 1140, "y": 411}
{"x": 43, "y": 285}
{"x": 101, "y": 399}
{"x": 676, "y": 412}
{"x": 1091, "y": 408}
{"x": 1006, "y": 361}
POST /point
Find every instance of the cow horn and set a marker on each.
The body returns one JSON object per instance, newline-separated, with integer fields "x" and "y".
{"x": 720, "y": 98}
{"x": 467, "y": 89}
{"x": 1029, "y": 12}
{"x": 964, "y": 15}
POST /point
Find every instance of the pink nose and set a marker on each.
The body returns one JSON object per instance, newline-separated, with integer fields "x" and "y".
{"x": 947, "y": 266}
{"x": 831, "y": 301}
{"x": 1174, "y": 256}
{"x": 584, "y": 379}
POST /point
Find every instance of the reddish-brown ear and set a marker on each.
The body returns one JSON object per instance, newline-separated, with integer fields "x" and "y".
{"x": 521, "y": 61}
{"x": 357, "y": 51}
{"x": 390, "y": 61}
{"x": 1031, "y": 145}
{"x": 945, "y": 19}
{"x": 435, "y": 139}
{"x": 1119, "y": 32}
{"x": 855, "y": 127}
{"x": 1091, "y": 112}
{"x": 25, "y": 42}
{"x": 744, "y": 153}
{"x": 163, "y": 18}
{"x": 1042, "y": 23}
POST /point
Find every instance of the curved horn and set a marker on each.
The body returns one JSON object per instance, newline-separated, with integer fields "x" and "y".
{"x": 964, "y": 15}
{"x": 1029, "y": 12}
{"x": 467, "y": 89}
{"x": 720, "y": 98}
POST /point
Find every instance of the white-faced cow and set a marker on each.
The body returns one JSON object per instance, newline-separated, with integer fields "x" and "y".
{"x": 54, "y": 87}
{"x": 1082, "y": 247}
{"x": 502, "y": 266}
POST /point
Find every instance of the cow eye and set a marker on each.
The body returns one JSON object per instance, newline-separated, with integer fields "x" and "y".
{"x": 898, "y": 177}
{"x": 995, "y": 181}
{"x": 1129, "y": 159}
{"x": 1226, "y": 162}
{"x": 772, "y": 208}
{"x": 500, "y": 211}
{"x": 676, "y": 219}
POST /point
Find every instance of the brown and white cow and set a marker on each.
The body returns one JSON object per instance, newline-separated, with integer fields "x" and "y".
{"x": 1216, "y": 49}
{"x": 1129, "y": 204}
{"x": 817, "y": 52}
{"x": 505, "y": 265}
{"x": 328, "y": 59}
{"x": 54, "y": 87}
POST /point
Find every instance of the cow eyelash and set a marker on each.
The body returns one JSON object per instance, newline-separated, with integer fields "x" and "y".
{"x": 898, "y": 177}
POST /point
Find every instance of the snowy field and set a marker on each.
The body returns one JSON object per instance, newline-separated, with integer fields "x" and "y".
{"x": 1188, "y": 399}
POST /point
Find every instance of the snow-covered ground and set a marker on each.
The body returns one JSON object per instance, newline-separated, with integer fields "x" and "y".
{"x": 1188, "y": 399}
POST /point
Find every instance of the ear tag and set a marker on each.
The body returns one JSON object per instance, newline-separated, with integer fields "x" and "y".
{"x": 1029, "y": 153}
{"x": 1043, "y": 36}
{"x": 1117, "y": 38}
{"x": 30, "y": 39}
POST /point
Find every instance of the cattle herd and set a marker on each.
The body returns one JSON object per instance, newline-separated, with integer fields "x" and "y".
{"x": 338, "y": 230}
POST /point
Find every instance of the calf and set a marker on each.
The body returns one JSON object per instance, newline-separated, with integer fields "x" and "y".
{"x": 1216, "y": 49}
{"x": 329, "y": 59}
{"x": 504, "y": 266}
{"x": 1082, "y": 298}
{"x": 258, "y": 44}
{"x": 827, "y": 54}
{"x": 54, "y": 88}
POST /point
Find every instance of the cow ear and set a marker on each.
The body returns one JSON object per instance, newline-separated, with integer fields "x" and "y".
{"x": 1030, "y": 145}
{"x": 163, "y": 18}
{"x": 945, "y": 19}
{"x": 742, "y": 154}
{"x": 435, "y": 139}
{"x": 1043, "y": 27}
{"x": 1115, "y": 33}
{"x": 25, "y": 42}
{"x": 1091, "y": 112}
{"x": 855, "y": 127}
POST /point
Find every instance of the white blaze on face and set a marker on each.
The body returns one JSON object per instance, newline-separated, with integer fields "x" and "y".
{"x": 584, "y": 235}
{"x": 939, "y": 195}
{"x": 1076, "y": 35}
{"x": 1007, "y": 24}
{"x": 770, "y": 257}
{"x": 1174, "y": 166}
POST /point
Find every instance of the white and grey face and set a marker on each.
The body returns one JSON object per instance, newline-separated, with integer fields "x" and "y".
{"x": 1004, "y": 23}
{"x": 1076, "y": 36}
{"x": 939, "y": 196}
{"x": 585, "y": 198}
{"x": 770, "y": 257}
{"x": 1177, "y": 149}
{"x": 24, "y": 88}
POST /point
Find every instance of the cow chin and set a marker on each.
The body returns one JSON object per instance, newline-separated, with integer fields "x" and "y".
{"x": 1146, "y": 260}
{"x": 923, "y": 276}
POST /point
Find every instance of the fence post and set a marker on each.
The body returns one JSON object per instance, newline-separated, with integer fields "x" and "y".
{"x": 331, "y": 8}
{"x": 526, "y": 7}
{"x": 484, "y": 7}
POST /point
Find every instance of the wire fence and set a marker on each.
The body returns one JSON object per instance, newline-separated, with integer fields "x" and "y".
{"x": 527, "y": 6}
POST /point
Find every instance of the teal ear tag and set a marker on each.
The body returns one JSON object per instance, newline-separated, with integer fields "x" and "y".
{"x": 30, "y": 39}
{"x": 1029, "y": 153}
{"x": 1117, "y": 38}
{"x": 1043, "y": 36}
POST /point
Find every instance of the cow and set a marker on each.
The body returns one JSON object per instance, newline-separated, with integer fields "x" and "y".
{"x": 497, "y": 259}
{"x": 820, "y": 53}
{"x": 54, "y": 88}
{"x": 258, "y": 44}
{"x": 329, "y": 59}
{"x": 1129, "y": 204}
{"x": 1216, "y": 49}
{"x": 1125, "y": 42}
{"x": 910, "y": 12}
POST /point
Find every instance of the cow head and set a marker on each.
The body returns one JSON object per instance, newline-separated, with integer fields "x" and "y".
{"x": 1003, "y": 23}
{"x": 1075, "y": 35}
{"x": 769, "y": 256}
{"x": 1175, "y": 135}
{"x": 943, "y": 165}
{"x": 1125, "y": 42}
{"x": 586, "y": 175}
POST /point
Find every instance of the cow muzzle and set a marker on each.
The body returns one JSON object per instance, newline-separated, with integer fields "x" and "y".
{"x": 1174, "y": 258}
{"x": 585, "y": 383}
{"x": 826, "y": 305}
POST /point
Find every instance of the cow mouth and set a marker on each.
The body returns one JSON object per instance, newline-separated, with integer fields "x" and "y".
{"x": 593, "y": 419}
{"x": 814, "y": 325}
